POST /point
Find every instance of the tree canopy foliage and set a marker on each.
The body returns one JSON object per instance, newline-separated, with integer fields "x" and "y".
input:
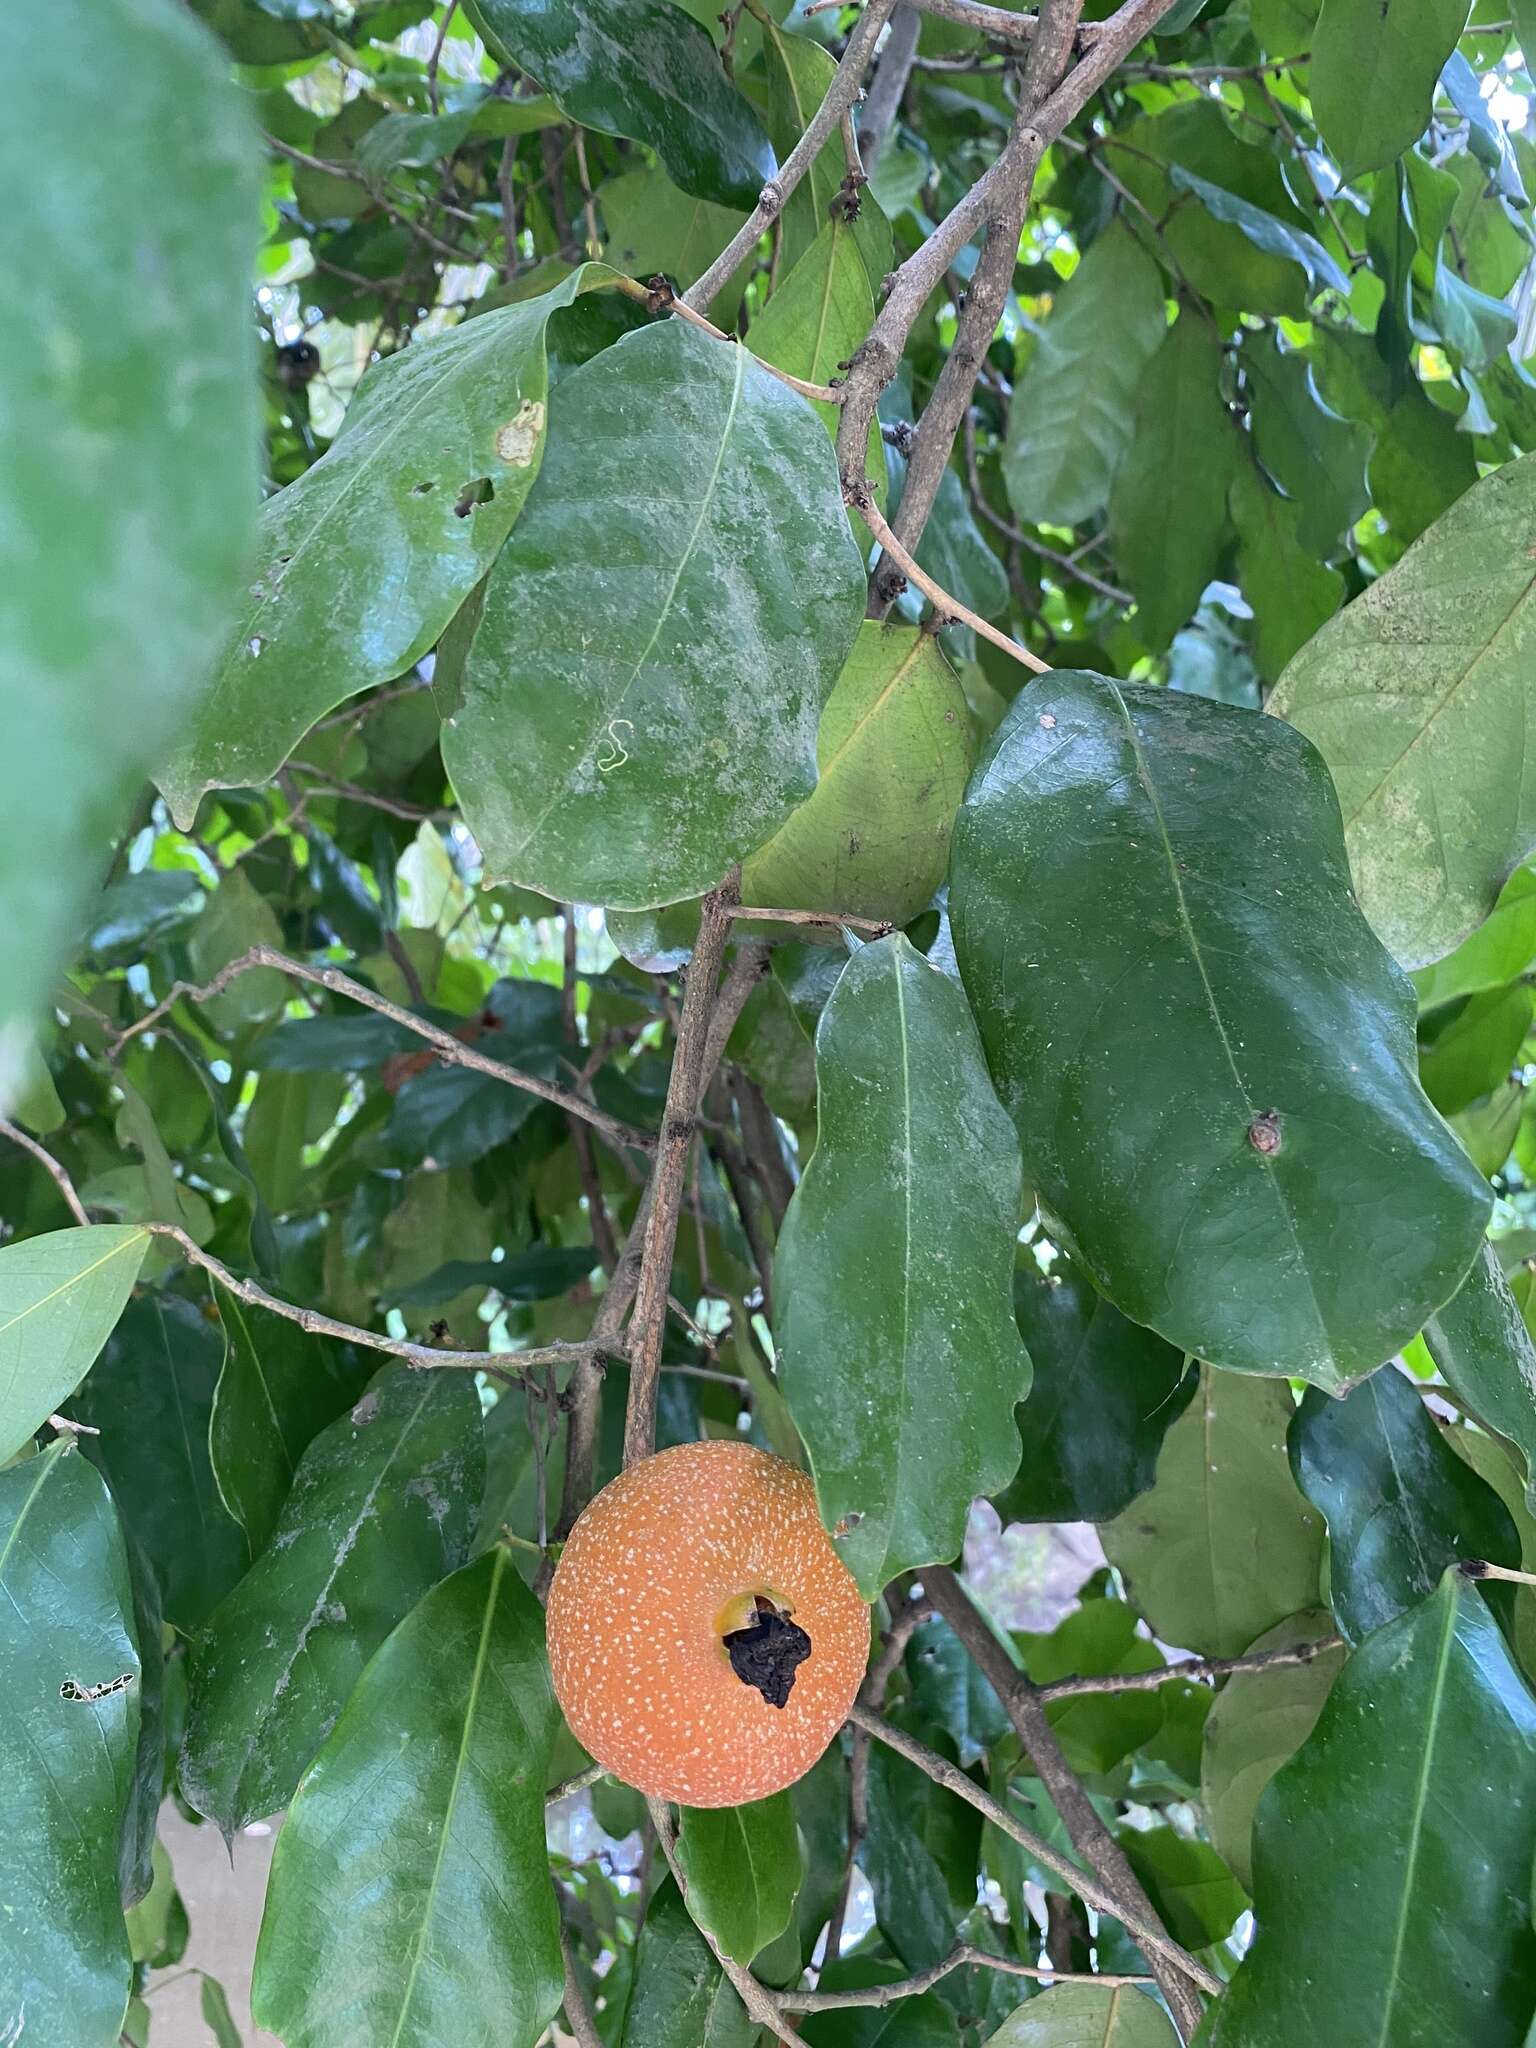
{"x": 805, "y": 724}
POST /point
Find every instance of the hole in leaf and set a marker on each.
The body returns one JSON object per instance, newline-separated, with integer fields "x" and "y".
{"x": 478, "y": 492}
{"x": 421, "y": 490}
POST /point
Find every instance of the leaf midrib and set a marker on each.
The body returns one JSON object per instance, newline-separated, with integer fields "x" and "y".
{"x": 1416, "y": 1829}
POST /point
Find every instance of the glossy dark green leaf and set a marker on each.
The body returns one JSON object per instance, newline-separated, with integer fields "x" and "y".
{"x": 1412, "y": 693}
{"x": 949, "y": 1691}
{"x": 1481, "y": 1344}
{"x": 662, "y": 631}
{"x": 1502, "y": 947}
{"x": 150, "y": 1396}
{"x": 922, "y": 2022}
{"x": 142, "y": 1814}
{"x": 422, "y": 1818}
{"x": 151, "y": 216}
{"x": 1083, "y": 2016}
{"x": 1168, "y": 546}
{"x": 1392, "y": 1856}
{"x": 920, "y": 1854}
{"x": 1471, "y": 1053}
{"x": 60, "y": 1295}
{"x": 680, "y": 1998}
{"x": 1317, "y": 458}
{"x": 387, "y": 506}
{"x": 66, "y": 1758}
{"x": 1105, "y": 1392}
{"x": 642, "y": 69}
{"x": 1259, "y": 1721}
{"x": 278, "y": 1387}
{"x": 1197, "y": 1898}
{"x": 1070, "y": 420}
{"x": 1292, "y": 593}
{"x": 1310, "y": 1209}
{"x": 1400, "y": 1505}
{"x": 453, "y": 1116}
{"x": 743, "y": 1868}
{"x": 799, "y": 72}
{"x": 1222, "y": 1546}
{"x": 383, "y": 1506}
{"x": 130, "y": 915}
{"x": 330, "y": 1045}
{"x": 1373, "y": 75}
{"x": 1264, "y": 230}
{"x": 290, "y": 1112}
{"x": 899, "y": 1355}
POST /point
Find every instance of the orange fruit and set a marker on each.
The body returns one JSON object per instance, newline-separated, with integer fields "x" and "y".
{"x": 706, "y": 1640}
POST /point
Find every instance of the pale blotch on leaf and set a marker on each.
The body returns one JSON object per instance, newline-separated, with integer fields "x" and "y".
{"x": 517, "y": 440}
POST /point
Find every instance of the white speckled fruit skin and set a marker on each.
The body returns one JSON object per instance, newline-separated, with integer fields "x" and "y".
{"x": 634, "y": 1610}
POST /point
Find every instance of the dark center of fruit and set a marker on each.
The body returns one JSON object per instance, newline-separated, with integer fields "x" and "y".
{"x": 768, "y": 1652}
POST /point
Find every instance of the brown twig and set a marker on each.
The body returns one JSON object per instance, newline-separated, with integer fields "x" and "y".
{"x": 684, "y": 1090}
{"x": 356, "y": 177}
{"x": 577, "y": 1782}
{"x": 507, "y": 194}
{"x": 924, "y": 1980}
{"x": 859, "y": 495}
{"x": 842, "y": 91}
{"x": 888, "y": 87}
{"x": 1009, "y": 531}
{"x": 578, "y": 2014}
{"x": 450, "y": 1049}
{"x": 1144, "y": 1927}
{"x": 1175, "y": 1971}
{"x": 986, "y": 295}
{"x": 877, "y": 927}
{"x": 50, "y": 1166}
{"x": 1198, "y": 1670}
{"x": 332, "y": 785}
{"x": 436, "y": 57}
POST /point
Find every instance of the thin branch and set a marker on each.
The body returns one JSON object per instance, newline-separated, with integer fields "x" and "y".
{"x": 1174, "y": 1970}
{"x": 356, "y": 177}
{"x": 684, "y": 1090}
{"x": 986, "y": 294}
{"x": 842, "y": 91}
{"x": 1146, "y": 1931}
{"x": 332, "y": 785}
{"x": 436, "y": 57}
{"x": 577, "y": 1782}
{"x": 762, "y": 2005}
{"x": 1480, "y": 1568}
{"x": 578, "y": 2015}
{"x": 877, "y": 927}
{"x": 859, "y": 495}
{"x": 450, "y": 1049}
{"x": 49, "y": 1164}
{"x": 1009, "y": 531}
{"x": 924, "y": 1980}
{"x": 1199, "y": 1670}
{"x": 889, "y": 85}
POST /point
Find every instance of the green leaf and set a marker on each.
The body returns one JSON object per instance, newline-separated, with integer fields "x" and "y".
{"x": 213, "y": 2003}
{"x": 798, "y": 74}
{"x": 128, "y": 440}
{"x": 1400, "y": 1505}
{"x": 1292, "y": 593}
{"x": 1097, "y": 1730}
{"x": 893, "y": 752}
{"x": 1494, "y": 1461}
{"x": 1401, "y": 1836}
{"x": 66, "y": 1762}
{"x": 536, "y": 1275}
{"x": 424, "y": 1812}
{"x": 1413, "y": 693}
{"x": 1223, "y": 1546}
{"x": 920, "y": 1854}
{"x": 157, "y": 1924}
{"x": 150, "y": 1396}
{"x": 1480, "y": 1342}
{"x": 644, "y": 70}
{"x": 290, "y": 1112}
{"x": 1421, "y": 464}
{"x": 949, "y": 1691}
{"x": 1070, "y": 421}
{"x": 1501, "y": 948}
{"x": 1105, "y": 1392}
{"x": 680, "y": 1998}
{"x": 1310, "y": 1208}
{"x": 816, "y": 319}
{"x": 1479, "y": 327}
{"x": 278, "y": 1387}
{"x": 1196, "y": 1896}
{"x": 1373, "y": 75}
{"x": 1473, "y": 1050}
{"x": 1275, "y": 237}
{"x": 661, "y": 632}
{"x": 380, "y": 510}
{"x": 653, "y": 228}
{"x": 743, "y": 1867}
{"x": 60, "y": 1294}
{"x": 1168, "y": 544}
{"x": 383, "y": 1506}
{"x": 922, "y": 2022}
{"x": 330, "y": 1045}
{"x": 1317, "y": 458}
{"x": 899, "y": 1355}
{"x": 1083, "y": 2016}
{"x": 1259, "y": 1721}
